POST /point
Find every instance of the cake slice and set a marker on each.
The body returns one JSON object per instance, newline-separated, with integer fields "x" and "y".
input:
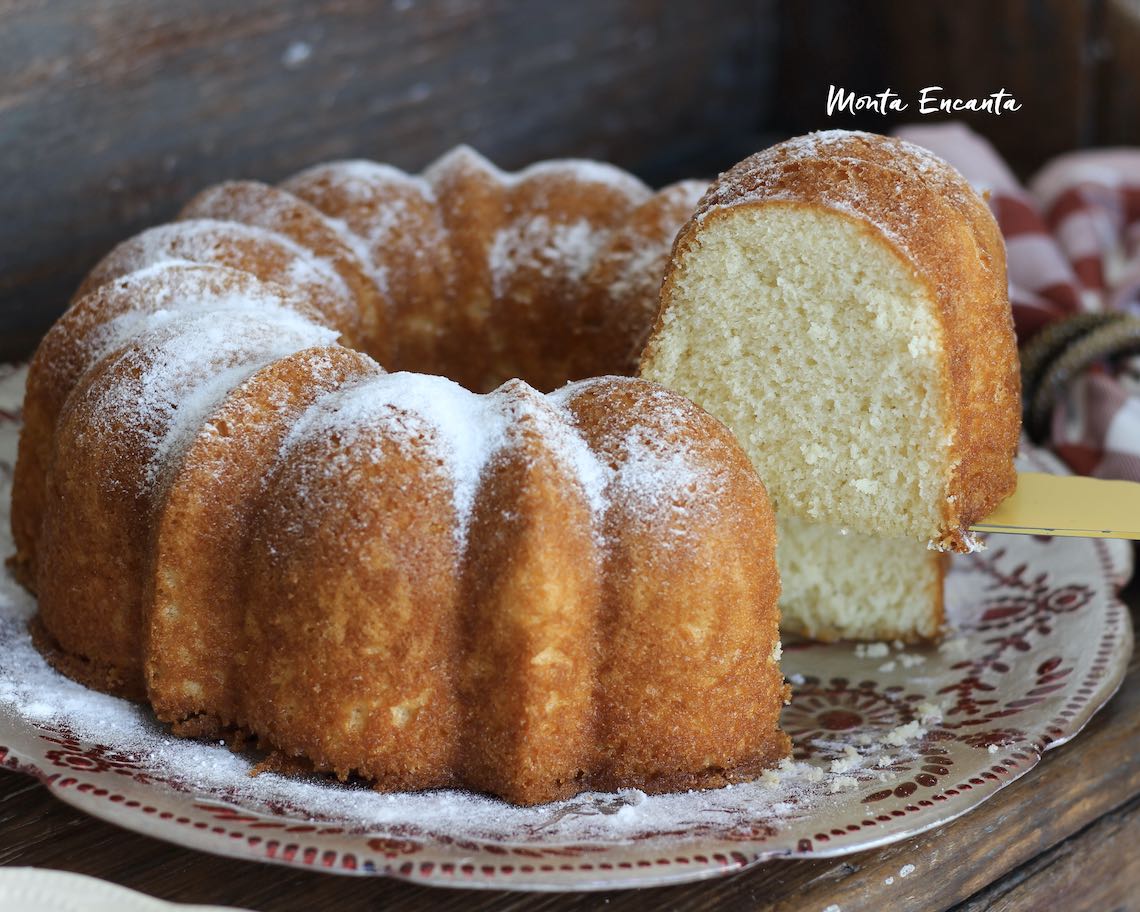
{"x": 840, "y": 301}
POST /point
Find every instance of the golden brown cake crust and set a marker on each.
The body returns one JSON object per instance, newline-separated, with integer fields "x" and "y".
{"x": 557, "y": 658}
{"x": 427, "y": 265}
{"x": 74, "y": 345}
{"x": 93, "y": 673}
{"x": 534, "y": 589}
{"x": 259, "y": 205}
{"x": 927, "y": 214}
{"x": 559, "y": 661}
{"x": 194, "y": 619}
{"x": 114, "y": 454}
{"x": 382, "y": 574}
{"x": 688, "y": 614}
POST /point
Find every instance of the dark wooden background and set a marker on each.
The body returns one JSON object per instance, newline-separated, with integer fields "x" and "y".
{"x": 112, "y": 112}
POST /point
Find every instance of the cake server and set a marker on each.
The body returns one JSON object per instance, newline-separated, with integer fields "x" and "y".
{"x": 1071, "y": 505}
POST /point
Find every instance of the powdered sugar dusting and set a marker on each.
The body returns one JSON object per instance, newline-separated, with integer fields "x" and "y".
{"x": 178, "y": 369}
{"x": 272, "y": 208}
{"x": 157, "y": 294}
{"x": 665, "y": 480}
{"x": 795, "y": 791}
{"x": 658, "y": 473}
{"x": 211, "y": 241}
{"x": 359, "y": 178}
{"x": 856, "y": 145}
{"x": 394, "y": 221}
{"x": 377, "y": 272}
{"x": 641, "y": 262}
{"x": 535, "y": 243}
{"x": 461, "y": 158}
{"x": 362, "y": 203}
{"x": 33, "y": 692}
{"x": 465, "y": 431}
{"x": 460, "y": 428}
{"x": 525, "y": 406}
{"x": 581, "y": 170}
{"x": 591, "y": 472}
{"x": 266, "y": 206}
{"x": 587, "y": 171}
{"x": 639, "y": 272}
{"x": 763, "y": 177}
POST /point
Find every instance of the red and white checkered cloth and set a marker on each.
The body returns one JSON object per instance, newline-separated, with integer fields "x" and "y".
{"x": 1073, "y": 244}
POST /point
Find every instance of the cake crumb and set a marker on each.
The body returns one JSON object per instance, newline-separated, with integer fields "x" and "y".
{"x": 900, "y": 735}
{"x": 850, "y": 760}
{"x": 840, "y": 783}
{"x": 906, "y": 870}
{"x": 957, "y": 648}
{"x": 993, "y": 748}
{"x": 887, "y": 667}
{"x": 889, "y": 881}
{"x": 930, "y": 712}
{"x": 872, "y": 650}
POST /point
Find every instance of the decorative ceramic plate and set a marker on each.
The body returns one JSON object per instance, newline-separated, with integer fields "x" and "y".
{"x": 888, "y": 742}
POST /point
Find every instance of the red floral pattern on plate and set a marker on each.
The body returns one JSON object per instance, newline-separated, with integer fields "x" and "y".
{"x": 74, "y": 755}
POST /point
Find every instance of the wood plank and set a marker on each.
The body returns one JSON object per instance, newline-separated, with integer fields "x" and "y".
{"x": 1072, "y": 788}
{"x": 1098, "y": 868}
{"x": 1117, "y": 60}
{"x": 1041, "y": 51}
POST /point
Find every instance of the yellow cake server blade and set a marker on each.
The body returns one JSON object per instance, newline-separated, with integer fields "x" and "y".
{"x": 1068, "y": 505}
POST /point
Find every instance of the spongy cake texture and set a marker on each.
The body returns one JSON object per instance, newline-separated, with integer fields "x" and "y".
{"x": 838, "y": 584}
{"x": 840, "y": 302}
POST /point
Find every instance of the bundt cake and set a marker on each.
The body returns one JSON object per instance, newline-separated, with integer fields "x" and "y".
{"x": 230, "y": 513}
{"x": 840, "y": 301}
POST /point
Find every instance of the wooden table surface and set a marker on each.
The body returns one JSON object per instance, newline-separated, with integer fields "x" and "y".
{"x": 1061, "y": 837}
